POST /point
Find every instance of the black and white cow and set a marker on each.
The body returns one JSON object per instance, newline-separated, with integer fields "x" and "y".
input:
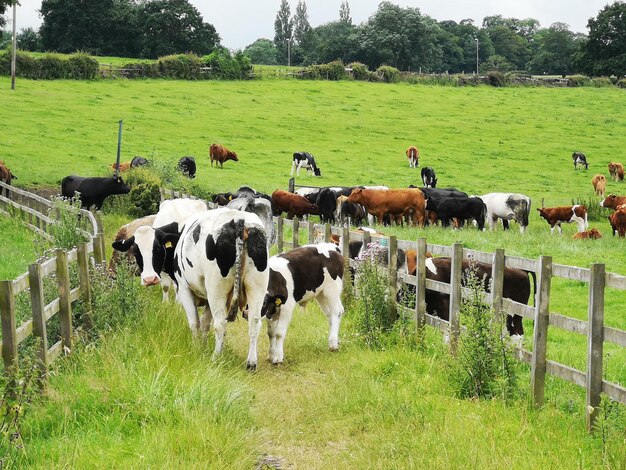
{"x": 309, "y": 193}
{"x": 261, "y": 207}
{"x": 138, "y": 161}
{"x": 507, "y": 206}
{"x": 304, "y": 160}
{"x": 297, "y": 277}
{"x": 93, "y": 191}
{"x": 429, "y": 178}
{"x": 187, "y": 166}
{"x": 580, "y": 160}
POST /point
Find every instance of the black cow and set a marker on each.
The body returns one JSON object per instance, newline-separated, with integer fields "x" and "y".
{"x": 187, "y": 165}
{"x": 93, "y": 191}
{"x": 580, "y": 160}
{"x": 327, "y": 202}
{"x": 428, "y": 177}
{"x": 138, "y": 161}
{"x": 356, "y": 213}
{"x": 304, "y": 160}
{"x": 459, "y": 208}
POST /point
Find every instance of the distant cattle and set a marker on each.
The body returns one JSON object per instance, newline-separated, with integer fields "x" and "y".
{"x": 413, "y": 154}
{"x": 599, "y": 184}
{"x": 428, "y": 177}
{"x": 93, "y": 191}
{"x": 304, "y": 160}
{"x": 6, "y": 177}
{"x": 580, "y": 160}
{"x": 124, "y": 233}
{"x": 187, "y": 166}
{"x": 138, "y": 161}
{"x": 220, "y": 154}
{"x": 507, "y": 206}
{"x": 297, "y": 277}
{"x": 618, "y": 222}
{"x": 293, "y": 204}
{"x": 396, "y": 202}
{"x": 616, "y": 170}
{"x": 612, "y": 201}
{"x": 593, "y": 234}
{"x": 568, "y": 214}
{"x": 123, "y": 166}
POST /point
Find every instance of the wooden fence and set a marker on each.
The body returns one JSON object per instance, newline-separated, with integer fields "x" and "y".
{"x": 30, "y": 209}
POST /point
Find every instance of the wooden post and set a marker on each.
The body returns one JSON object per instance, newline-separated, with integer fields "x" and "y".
{"x": 39, "y": 321}
{"x": 97, "y": 249}
{"x": 103, "y": 248}
{"x": 85, "y": 286}
{"x": 295, "y": 235}
{"x": 327, "y": 232}
{"x": 280, "y": 234}
{"x": 311, "y": 228}
{"x": 367, "y": 239}
{"x": 456, "y": 274}
{"x": 292, "y": 185}
{"x": 65, "y": 304}
{"x": 540, "y": 333}
{"x": 420, "y": 291}
{"x": 7, "y": 312}
{"x": 345, "y": 250}
{"x": 393, "y": 276}
{"x": 497, "y": 282}
{"x": 595, "y": 341}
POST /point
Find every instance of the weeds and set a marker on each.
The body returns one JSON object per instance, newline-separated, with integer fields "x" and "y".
{"x": 610, "y": 429}
{"x": 66, "y": 232}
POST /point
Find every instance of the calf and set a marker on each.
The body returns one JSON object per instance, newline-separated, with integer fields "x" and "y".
{"x": 616, "y": 170}
{"x": 124, "y": 233}
{"x": 413, "y": 154}
{"x": 593, "y": 234}
{"x": 187, "y": 166}
{"x": 293, "y": 204}
{"x": 612, "y": 201}
{"x": 92, "y": 191}
{"x": 580, "y": 160}
{"x": 507, "y": 206}
{"x": 618, "y": 222}
{"x": 428, "y": 177}
{"x": 599, "y": 184}
{"x": 304, "y": 160}
{"x": 220, "y": 154}
{"x": 123, "y": 166}
{"x": 6, "y": 177}
{"x": 568, "y": 214}
{"x": 297, "y": 277}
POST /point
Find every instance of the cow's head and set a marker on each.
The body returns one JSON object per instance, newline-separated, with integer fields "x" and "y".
{"x": 153, "y": 249}
{"x": 232, "y": 156}
{"x": 276, "y": 295}
{"x": 356, "y": 195}
{"x": 118, "y": 186}
{"x": 317, "y": 171}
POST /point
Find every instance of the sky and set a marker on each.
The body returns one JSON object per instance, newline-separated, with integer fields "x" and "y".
{"x": 241, "y": 22}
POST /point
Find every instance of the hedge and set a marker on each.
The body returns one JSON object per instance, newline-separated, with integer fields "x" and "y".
{"x": 77, "y": 66}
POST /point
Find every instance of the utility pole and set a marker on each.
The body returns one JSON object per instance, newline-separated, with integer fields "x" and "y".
{"x": 476, "y": 39}
{"x": 13, "y": 53}
{"x": 288, "y": 52}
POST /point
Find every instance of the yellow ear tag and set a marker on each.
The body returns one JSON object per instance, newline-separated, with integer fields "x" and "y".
{"x": 168, "y": 244}
{"x": 278, "y": 302}
{"x": 230, "y": 198}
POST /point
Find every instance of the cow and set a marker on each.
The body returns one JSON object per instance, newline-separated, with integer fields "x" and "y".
{"x": 461, "y": 209}
{"x": 124, "y": 233}
{"x": 612, "y": 201}
{"x": 221, "y": 199}
{"x": 580, "y": 160}
{"x": 507, "y": 206}
{"x": 309, "y": 193}
{"x": 94, "y": 190}
{"x": 293, "y": 204}
{"x": 350, "y": 213}
{"x": 413, "y": 154}
{"x": 618, "y": 222}
{"x": 327, "y": 203}
{"x": 262, "y": 208}
{"x": 187, "y": 166}
{"x": 599, "y": 184}
{"x": 616, "y": 170}
{"x": 123, "y": 166}
{"x": 6, "y": 177}
{"x": 428, "y": 177}
{"x": 592, "y": 234}
{"x": 304, "y": 160}
{"x": 397, "y": 202}
{"x": 297, "y": 277}
{"x": 434, "y": 196}
{"x": 219, "y": 154}
{"x": 568, "y": 214}
{"x": 138, "y": 161}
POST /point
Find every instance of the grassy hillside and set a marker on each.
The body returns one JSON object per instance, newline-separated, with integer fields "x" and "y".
{"x": 16, "y": 250}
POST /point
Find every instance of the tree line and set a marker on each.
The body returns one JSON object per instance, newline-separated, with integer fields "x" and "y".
{"x": 404, "y": 38}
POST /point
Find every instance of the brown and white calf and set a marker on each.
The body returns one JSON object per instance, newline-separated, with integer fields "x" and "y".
{"x": 413, "y": 154}
{"x": 593, "y": 234}
{"x": 599, "y": 184}
{"x": 612, "y": 201}
{"x": 616, "y": 170}
{"x": 295, "y": 278}
{"x": 568, "y": 214}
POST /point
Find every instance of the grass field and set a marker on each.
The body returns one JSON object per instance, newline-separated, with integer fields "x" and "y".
{"x": 358, "y": 408}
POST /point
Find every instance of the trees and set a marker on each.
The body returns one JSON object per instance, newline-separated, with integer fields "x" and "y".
{"x": 283, "y": 28}
{"x": 605, "y": 51}
{"x": 302, "y": 34}
{"x": 344, "y": 13}
{"x": 4, "y": 5}
{"x": 262, "y": 51}
{"x": 556, "y": 48}
{"x": 337, "y": 40}
{"x": 29, "y": 40}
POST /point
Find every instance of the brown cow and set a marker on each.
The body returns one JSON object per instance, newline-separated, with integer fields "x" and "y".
{"x": 220, "y": 154}
{"x": 599, "y": 184}
{"x": 6, "y": 176}
{"x": 618, "y": 222}
{"x": 292, "y": 204}
{"x": 567, "y": 214}
{"x": 124, "y": 233}
{"x": 612, "y": 201}
{"x": 616, "y": 171}
{"x": 395, "y": 202}
{"x": 124, "y": 166}
{"x": 413, "y": 154}
{"x": 593, "y": 234}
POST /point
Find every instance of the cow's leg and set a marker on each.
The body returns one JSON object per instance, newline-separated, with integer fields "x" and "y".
{"x": 330, "y": 303}
{"x": 166, "y": 283}
{"x": 558, "y": 224}
{"x": 188, "y": 301}
{"x": 281, "y": 325}
{"x": 293, "y": 168}
{"x": 205, "y": 319}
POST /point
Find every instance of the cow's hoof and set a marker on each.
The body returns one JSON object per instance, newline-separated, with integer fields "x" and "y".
{"x": 251, "y": 366}
{"x": 333, "y": 348}
{"x": 277, "y": 363}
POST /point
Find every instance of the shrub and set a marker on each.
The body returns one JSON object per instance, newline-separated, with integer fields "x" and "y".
{"x": 227, "y": 67}
{"x": 183, "y": 66}
{"x": 621, "y": 83}
{"x": 145, "y": 199}
{"x": 81, "y": 66}
{"x": 496, "y": 78}
{"x": 65, "y": 231}
{"x": 601, "y": 82}
{"x": 25, "y": 65}
{"x": 360, "y": 71}
{"x": 577, "y": 81}
{"x": 52, "y": 66}
{"x": 388, "y": 74}
{"x": 141, "y": 69}
{"x": 594, "y": 211}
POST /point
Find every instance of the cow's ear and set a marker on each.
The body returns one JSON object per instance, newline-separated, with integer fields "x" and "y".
{"x": 168, "y": 240}
{"x": 123, "y": 245}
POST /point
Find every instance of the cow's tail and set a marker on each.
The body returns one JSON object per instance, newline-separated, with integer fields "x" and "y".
{"x": 240, "y": 262}
{"x": 525, "y": 213}
{"x": 534, "y": 276}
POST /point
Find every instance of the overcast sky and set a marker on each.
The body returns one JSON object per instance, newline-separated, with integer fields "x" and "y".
{"x": 241, "y": 22}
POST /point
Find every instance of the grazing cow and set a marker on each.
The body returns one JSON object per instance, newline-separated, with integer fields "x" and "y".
{"x": 397, "y": 202}
{"x": 6, "y": 177}
{"x": 618, "y": 222}
{"x": 220, "y": 154}
{"x": 293, "y": 204}
{"x": 124, "y": 233}
{"x": 461, "y": 209}
{"x": 187, "y": 166}
{"x": 612, "y": 201}
{"x": 123, "y": 166}
{"x": 599, "y": 184}
{"x": 304, "y": 160}
{"x": 93, "y": 191}
{"x": 428, "y": 177}
{"x": 580, "y": 160}
{"x": 297, "y": 277}
{"x": 616, "y": 170}
{"x": 568, "y": 214}
{"x": 262, "y": 208}
{"x": 413, "y": 155}
{"x": 593, "y": 234}
{"x": 138, "y": 161}
{"x": 507, "y": 206}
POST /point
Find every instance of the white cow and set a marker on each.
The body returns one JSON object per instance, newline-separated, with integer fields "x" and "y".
{"x": 507, "y": 206}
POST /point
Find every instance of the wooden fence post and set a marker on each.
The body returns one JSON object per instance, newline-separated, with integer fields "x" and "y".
{"x": 281, "y": 233}
{"x": 367, "y": 239}
{"x": 39, "y": 319}
{"x": 595, "y": 340}
{"x": 65, "y": 304}
{"x": 327, "y": 232}
{"x": 292, "y": 185}
{"x": 7, "y": 313}
{"x": 497, "y": 283}
{"x": 85, "y": 285}
{"x": 97, "y": 249}
{"x": 311, "y": 228}
{"x": 345, "y": 249}
{"x": 540, "y": 333}
{"x": 393, "y": 276}
{"x": 295, "y": 235}
{"x": 456, "y": 274}
{"x": 420, "y": 291}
